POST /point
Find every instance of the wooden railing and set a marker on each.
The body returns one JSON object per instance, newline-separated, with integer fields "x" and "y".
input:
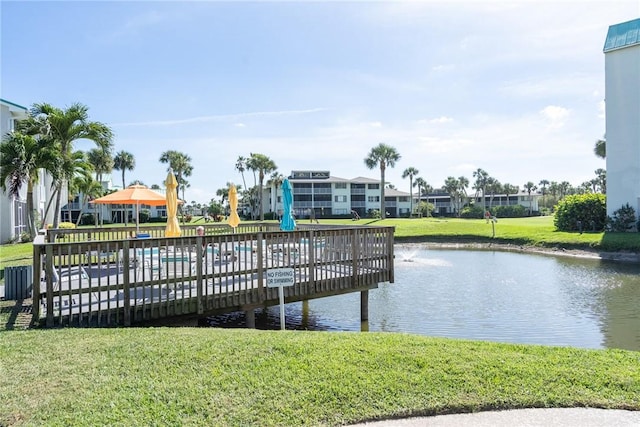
{"x": 100, "y": 277}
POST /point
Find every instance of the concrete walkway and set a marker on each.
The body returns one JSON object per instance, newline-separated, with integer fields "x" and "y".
{"x": 560, "y": 417}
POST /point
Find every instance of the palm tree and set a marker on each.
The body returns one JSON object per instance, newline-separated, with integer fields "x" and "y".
{"x": 21, "y": 156}
{"x": 600, "y": 148}
{"x": 530, "y": 187}
{"x": 102, "y": 162}
{"x": 263, "y": 165}
{"x": 64, "y": 128}
{"x": 463, "y": 184}
{"x": 241, "y": 166}
{"x": 382, "y": 155}
{"x": 543, "y": 188}
{"x": 410, "y": 172}
{"x": 78, "y": 169}
{"x": 90, "y": 189}
{"x": 451, "y": 186}
{"x": 601, "y": 178}
{"x": 275, "y": 182}
{"x": 124, "y": 161}
{"x": 482, "y": 178}
{"x": 508, "y": 190}
{"x": 181, "y": 165}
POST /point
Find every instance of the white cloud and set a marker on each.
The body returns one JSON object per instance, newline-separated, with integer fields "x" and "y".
{"x": 556, "y": 116}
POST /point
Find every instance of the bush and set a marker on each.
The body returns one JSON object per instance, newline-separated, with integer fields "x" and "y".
{"x": 158, "y": 219}
{"x": 87, "y": 219}
{"x": 188, "y": 218}
{"x": 25, "y": 237}
{"x": 374, "y": 213}
{"x": 144, "y": 215}
{"x": 624, "y": 219}
{"x": 475, "y": 212}
{"x": 511, "y": 211}
{"x": 66, "y": 225}
{"x": 580, "y": 212}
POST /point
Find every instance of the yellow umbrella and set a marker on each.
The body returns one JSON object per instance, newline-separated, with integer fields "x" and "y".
{"x": 234, "y": 219}
{"x": 173, "y": 228}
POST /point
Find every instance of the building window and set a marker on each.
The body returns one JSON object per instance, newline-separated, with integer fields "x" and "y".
{"x": 373, "y": 186}
{"x": 373, "y": 199}
{"x": 340, "y": 199}
{"x": 403, "y": 199}
{"x": 341, "y": 185}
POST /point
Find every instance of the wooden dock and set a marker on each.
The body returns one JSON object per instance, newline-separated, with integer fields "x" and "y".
{"x": 113, "y": 280}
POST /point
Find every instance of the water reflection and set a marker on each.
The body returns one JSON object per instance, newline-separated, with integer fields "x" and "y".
{"x": 485, "y": 295}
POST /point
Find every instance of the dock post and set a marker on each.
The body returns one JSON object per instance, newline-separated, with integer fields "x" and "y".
{"x": 251, "y": 318}
{"x": 364, "y": 305}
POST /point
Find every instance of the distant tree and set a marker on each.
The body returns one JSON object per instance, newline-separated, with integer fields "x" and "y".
{"x": 102, "y": 161}
{"x": 181, "y": 165}
{"x": 543, "y": 189}
{"x": 451, "y": 186}
{"x": 124, "y": 161}
{"x": 601, "y": 179}
{"x": 480, "y": 184}
{"x": 263, "y": 165}
{"x": 410, "y": 173}
{"x": 508, "y": 190}
{"x": 530, "y": 187}
{"x": 600, "y": 148}
{"x": 241, "y": 166}
{"x": 382, "y": 155}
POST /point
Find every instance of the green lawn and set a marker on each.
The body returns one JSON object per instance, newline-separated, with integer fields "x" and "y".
{"x": 207, "y": 377}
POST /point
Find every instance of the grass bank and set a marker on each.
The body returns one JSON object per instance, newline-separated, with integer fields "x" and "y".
{"x": 205, "y": 377}
{"x": 535, "y": 231}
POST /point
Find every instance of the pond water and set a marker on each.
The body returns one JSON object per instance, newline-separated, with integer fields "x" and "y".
{"x": 484, "y": 295}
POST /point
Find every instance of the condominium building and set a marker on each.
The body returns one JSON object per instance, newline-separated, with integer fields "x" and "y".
{"x": 622, "y": 87}
{"x": 328, "y": 195}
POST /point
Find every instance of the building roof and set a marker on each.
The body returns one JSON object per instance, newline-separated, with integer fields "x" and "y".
{"x": 622, "y": 35}
{"x": 392, "y": 192}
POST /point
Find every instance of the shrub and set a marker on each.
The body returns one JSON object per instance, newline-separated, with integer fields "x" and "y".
{"x": 87, "y": 219}
{"x": 623, "y": 219}
{"x": 25, "y": 237}
{"x": 158, "y": 219}
{"x": 144, "y": 215}
{"x": 472, "y": 212}
{"x": 188, "y": 218}
{"x": 511, "y": 211}
{"x": 580, "y": 212}
{"x": 66, "y": 225}
{"x": 374, "y": 213}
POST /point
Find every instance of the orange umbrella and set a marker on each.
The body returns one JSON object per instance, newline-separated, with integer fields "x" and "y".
{"x": 133, "y": 195}
{"x": 173, "y": 228}
{"x": 234, "y": 219}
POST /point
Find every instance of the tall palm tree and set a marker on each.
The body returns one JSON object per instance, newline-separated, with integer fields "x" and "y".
{"x": 21, "y": 156}
{"x": 124, "y": 161}
{"x": 64, "y": 128}
{"x": 463, "y": 184}
{"x": 451, "y": 186}
{"x": 263, "y": 165}
{"x": 102, "y": 162}
{"x": 480, "y": 184}
{"x": 410, "y": 172}
{"x": 509, "y": 189}
{"x": 241, "y": 166}
{"x": 90, "y": 189}
{"x": 275, "y": 181}
{"x": 543, "y": 187}
{"x": 78, "y": 169}
{"x": 530, "y": 187}
{"x": 382, "y": 155}
{"x": 181, "y": 165}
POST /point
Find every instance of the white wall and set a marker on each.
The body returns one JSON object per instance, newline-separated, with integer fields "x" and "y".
{"x": 622, "y": 85}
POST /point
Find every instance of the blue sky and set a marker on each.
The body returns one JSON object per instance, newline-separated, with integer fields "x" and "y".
{"x": 515, "y": 88}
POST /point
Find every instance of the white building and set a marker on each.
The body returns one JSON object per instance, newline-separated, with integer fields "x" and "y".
{"x": 622, "y": 86}
{"x": 13, "y": 211}
{"x": 328, "y": 195}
